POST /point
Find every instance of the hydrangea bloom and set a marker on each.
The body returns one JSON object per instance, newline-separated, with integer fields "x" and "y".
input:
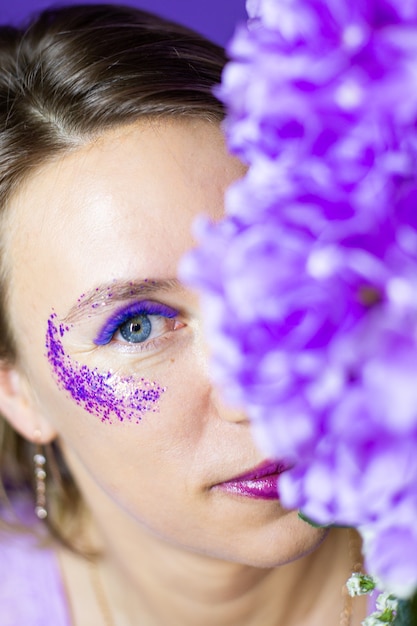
{"x": 309, "y": 284}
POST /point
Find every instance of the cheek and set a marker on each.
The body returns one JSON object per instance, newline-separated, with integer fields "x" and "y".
{"x": 104, "y": 394}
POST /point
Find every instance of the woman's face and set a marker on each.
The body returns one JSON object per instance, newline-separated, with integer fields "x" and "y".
{"x": 112, "y": 345}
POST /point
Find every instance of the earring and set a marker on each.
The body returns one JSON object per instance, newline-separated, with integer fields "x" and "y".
{"x": 40, "y": 483}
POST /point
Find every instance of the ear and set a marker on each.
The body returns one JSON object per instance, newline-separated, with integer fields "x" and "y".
{"x": 18, "y": 407}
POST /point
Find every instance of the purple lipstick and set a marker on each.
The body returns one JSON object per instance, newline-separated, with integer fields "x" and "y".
{"x": 261, "y": 482}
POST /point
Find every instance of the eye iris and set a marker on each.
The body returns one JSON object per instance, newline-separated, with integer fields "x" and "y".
{"x": 137, "y": 329}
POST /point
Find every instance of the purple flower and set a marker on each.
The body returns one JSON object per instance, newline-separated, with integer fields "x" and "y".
{"x": 320, "y": 78}
{"x": 309, "y": 285}
{"x": 390, "y": 552}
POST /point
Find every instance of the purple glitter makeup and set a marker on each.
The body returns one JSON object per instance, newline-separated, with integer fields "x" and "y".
{"x": 103, "y": 394}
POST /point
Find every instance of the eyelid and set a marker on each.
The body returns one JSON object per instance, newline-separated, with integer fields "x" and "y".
{"x": 144, "y": 307}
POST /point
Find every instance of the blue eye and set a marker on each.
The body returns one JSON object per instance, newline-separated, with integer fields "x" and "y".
{"x": 136, "y": 322}
{"x": 137, "y": 329}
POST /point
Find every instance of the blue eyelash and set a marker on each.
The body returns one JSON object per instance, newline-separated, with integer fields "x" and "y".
{"x": 146, "y": 307}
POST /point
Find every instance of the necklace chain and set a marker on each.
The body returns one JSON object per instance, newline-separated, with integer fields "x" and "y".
{"x": 356, "y": 565}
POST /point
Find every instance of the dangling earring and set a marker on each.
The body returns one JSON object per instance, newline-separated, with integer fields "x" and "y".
{"x": 40, "y": 482}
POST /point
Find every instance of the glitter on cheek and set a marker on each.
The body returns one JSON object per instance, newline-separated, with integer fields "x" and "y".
{"x": 103, "y": 394}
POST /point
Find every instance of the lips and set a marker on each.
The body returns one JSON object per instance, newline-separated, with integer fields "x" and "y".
{"x": 260, "y": 482}
{"x": 268, "y": 468}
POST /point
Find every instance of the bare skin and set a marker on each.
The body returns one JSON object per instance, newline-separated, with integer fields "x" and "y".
{"x": 190, "y": 589}
{"x": 176, "y": 549}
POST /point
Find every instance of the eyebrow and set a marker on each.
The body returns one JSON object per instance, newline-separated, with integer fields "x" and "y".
{"x": 114, "y": 291}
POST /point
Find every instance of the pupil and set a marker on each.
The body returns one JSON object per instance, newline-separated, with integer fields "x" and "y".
{"x": 137, "y": 329}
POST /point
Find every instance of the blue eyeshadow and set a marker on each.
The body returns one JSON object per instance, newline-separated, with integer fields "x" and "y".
{"x": 135, "y": 309}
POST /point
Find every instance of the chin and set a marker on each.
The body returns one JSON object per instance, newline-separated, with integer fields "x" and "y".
{"x": 282, "y": 542}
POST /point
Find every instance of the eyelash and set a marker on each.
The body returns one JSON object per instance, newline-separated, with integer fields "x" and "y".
{"x": 151, "y": 309}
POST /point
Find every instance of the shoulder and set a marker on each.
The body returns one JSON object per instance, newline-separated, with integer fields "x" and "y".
{"x": 31, "y": 589}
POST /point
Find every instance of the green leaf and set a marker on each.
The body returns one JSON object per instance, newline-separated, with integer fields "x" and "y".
{"x": 387, "y": 616}
{"x": 310, "y": 521}
{"x": 314, "y": 524}
{"x": 407, "y": 612}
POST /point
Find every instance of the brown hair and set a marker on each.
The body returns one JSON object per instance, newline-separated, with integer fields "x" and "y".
{"x": 72, "y": 73}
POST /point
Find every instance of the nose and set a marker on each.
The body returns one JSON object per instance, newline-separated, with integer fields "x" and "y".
{"x": 220, "y": 406}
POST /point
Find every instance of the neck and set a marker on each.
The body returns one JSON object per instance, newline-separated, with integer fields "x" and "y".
{"x": 156, "y": 584}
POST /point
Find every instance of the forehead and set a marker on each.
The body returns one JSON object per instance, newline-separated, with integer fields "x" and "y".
{"x": 120, "y": 207}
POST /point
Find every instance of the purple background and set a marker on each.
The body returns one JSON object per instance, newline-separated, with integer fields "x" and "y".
{"x": 214, "y": 18}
